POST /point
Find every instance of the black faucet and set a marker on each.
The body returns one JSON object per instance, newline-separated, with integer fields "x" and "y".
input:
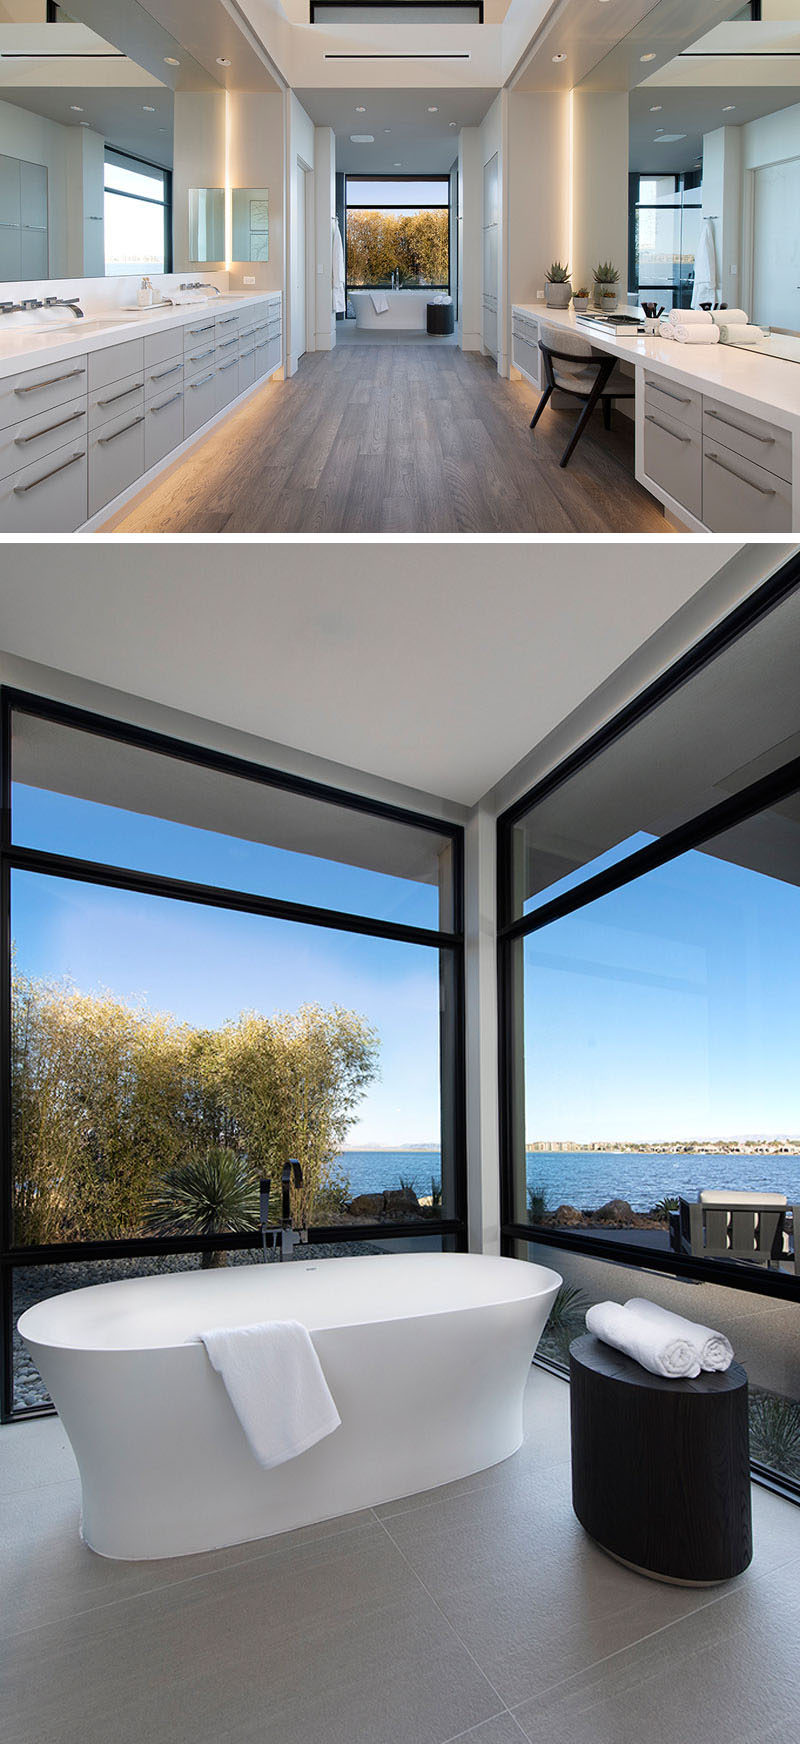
{"x": 291, "y": 1176}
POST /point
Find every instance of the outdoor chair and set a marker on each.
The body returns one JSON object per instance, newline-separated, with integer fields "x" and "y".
{"x": 572, "y": 366}
{"x": 733, "y": 1226}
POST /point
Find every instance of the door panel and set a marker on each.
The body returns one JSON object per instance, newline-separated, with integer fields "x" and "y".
{"x": 776, "y": 245}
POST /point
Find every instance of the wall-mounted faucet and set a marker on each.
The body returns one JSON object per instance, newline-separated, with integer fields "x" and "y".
{"x": 30, "y": 303}
{"x": 285, "y": 1238}
{"x": 200, "y": 285}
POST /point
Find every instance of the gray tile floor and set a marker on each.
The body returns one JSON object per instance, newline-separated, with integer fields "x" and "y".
{"x": 480, "y": 1612}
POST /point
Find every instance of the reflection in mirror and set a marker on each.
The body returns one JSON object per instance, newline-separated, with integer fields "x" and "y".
{"x": 250, "y": 224}
{"x": 206, "y": 225}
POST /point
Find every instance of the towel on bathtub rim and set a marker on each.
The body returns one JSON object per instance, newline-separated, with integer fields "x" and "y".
{"x": 380, "y": 302}
{"x": 275, "y": 1383}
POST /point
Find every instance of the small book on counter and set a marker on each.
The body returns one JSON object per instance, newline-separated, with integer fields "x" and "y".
{"x": 614, "y": 323}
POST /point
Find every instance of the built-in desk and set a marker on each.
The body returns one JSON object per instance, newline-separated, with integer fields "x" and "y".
{"x": 717, "y": 428}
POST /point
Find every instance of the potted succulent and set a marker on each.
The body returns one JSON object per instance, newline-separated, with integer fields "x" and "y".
{"x": 606, "y": 278}
{"x": 580, "y": 300}
{"x": 558, "y": 289}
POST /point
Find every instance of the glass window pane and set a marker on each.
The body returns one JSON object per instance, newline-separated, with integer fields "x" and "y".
{"x": 166, "y": 1055}
{"x": 131, "y": 176}
{"x": 398, "y": 233}
{"x": 710, "y": 739}
{"x": 133, "y": 234}
{"x": 94, "y": 798}
{"x": 403, "y": 194}
{"x": 661, "y": 1038}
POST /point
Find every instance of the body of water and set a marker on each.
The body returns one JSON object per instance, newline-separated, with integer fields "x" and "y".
{"x": 588, "y": 1179}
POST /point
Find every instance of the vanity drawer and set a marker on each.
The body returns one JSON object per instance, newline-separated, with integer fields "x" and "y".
{"x": 739, "y": 497}
{"x": 261, "y": 355}
{"x": 227, "y": 382}
{"x": 273, "y": 306}
{"x": 226, "y": 324}
{"x": 24, "y": 444}
{"x": 227, "y": 346}
{"x": 273, "y": 353}
{"x": 201, "y": 358}
{"x": 38, "y": 390}
{"x": 164, "y": 379}
{"x": 199, "y": 333}
{"x": 116, "y": 458}
{"x": 119, "y": 398}
{"x": 526, "y": 355}
{"x": 765, "y": 444}
{"x": 673, "y": 459}
{"x": 159, "y": 347}
{"x": 163, "y": 426}
{"x": 47, "y": 497}
{"x": 274, "y": 328}
{"x": 247, "y": 367}
{"x": 200, "y": 401}
{"x": 114, "y": 362}
{"x": 673, "y": 400}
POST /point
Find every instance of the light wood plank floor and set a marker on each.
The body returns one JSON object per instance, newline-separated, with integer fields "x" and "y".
{"x": 374, "y": 439}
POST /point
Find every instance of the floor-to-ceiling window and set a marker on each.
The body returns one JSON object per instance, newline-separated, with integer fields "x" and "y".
{"x": 397, "y": 232}
{"x": 650, "y": 971}
{"x": 664, "y": 223}
{"x": 210, "y": 967}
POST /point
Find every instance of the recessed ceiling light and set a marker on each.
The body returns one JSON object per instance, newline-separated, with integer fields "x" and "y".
{"x": 656, "y": 108}
{"x": 84, "y": 123}
{"x": 361, "y": 108}
{"x": 648, "y": 57}
{"x": 433, "y": 108}
{"x": 149, "y": 108}
{"x": 398, "y": 166}
{"x": 362, "y": 138}
{"x": 222, "y": 61}
{"x": 77, "y": 108}
{"x": 387, "y": 130}
{"x": 171, "y": 61}
{"x": 727, "y": 106}
{"x": 559, "y": 57}
{"x": 452, "y": 123}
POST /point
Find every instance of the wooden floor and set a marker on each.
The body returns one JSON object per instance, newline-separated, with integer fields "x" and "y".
{"x": 401, "y": 439}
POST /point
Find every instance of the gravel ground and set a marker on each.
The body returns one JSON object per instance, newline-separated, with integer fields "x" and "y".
{"x": 34, "y": 1283}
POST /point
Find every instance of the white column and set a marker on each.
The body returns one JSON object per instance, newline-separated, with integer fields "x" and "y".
{"x": 483, "y": 1154}
{"x": 325, "y": 193}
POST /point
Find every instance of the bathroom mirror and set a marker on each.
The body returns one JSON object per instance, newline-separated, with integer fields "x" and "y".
{"x": 250, "y": 229}
{"x": 206, "y": 225}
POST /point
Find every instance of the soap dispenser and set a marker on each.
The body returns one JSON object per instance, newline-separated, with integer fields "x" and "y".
{"x": 144, "y": 295}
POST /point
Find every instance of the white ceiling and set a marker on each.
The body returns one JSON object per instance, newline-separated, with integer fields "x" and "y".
{"x": 422, "y": 142}
{"x": 437, "y": 666}
{"x": 694, "y": 111}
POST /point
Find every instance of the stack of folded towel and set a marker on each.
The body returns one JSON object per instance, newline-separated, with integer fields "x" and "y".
{"x": 735, "y": 329}
{"x": 659, "y": 1341}
{"x": 690, "y": 327}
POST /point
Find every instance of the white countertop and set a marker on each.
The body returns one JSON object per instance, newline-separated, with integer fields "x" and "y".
{"x": 21, "y": 349}
{"x": 766, "y": 386}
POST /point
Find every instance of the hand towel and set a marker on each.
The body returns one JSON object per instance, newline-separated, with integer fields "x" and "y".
{"x": 691, "y": 317}
{"x": 379, "y": 302}
{"x": 724, "y": 317}
{"x": 714, "y": 1351}
{"x": 705, "y": 266}
{"x": 709, "y": 335}
{"x": 653, "y": 1348}
{"x": 741, "y": 333}
{"x": 337, "y": 272}
{"x": 274, "y": 1380}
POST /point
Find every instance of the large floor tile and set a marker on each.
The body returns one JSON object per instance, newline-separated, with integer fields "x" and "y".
{"x": 503, "y": 1729}
{"x": 34, "y": 1453}
{"x": 333, "y": 1640}
{"x": 727, "y": 1673}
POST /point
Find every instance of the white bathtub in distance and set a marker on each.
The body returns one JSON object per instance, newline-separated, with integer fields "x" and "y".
{"x": 426, "y": 1355}
{"x": 407, "y": 309}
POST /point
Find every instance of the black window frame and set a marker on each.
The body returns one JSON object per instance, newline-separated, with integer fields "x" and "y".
{"x": 166, "y": 204}
{"x": 511, "y": 928}
{"x": 393, "y": 206}
{"x": 686, "y": 181}
{"x": 448, "y": 944}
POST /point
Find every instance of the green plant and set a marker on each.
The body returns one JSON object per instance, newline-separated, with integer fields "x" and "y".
{"x": 605, "y": 273}
{"x": 407, "y": 1186}
{"x": 663, "y": 1208}
{"x": 557, "y": 274}
{"x": 583, "y": 292}
{"x": 775, "y": 1432}
{"x": 568, "y": 1308}
{"x": 212, "y": 1193}
{"x": 538, "y": 1193}
{"x": 436, "y": 1194}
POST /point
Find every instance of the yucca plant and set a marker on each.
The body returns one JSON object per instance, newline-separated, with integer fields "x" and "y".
{"x": 567, "y": 1317}
{"x": 557, "y": 274}
{"x": 775, "y": 1432}
{"x": 537, "y": 1201}
{"x": 663, "y": 1208}
{"x": 605, "y": 273}
{"x": 212, "y": 1192}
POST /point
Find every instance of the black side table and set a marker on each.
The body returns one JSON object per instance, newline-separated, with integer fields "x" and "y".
{"x": 441, "y": 318}
{"x": 661, "y": 1469}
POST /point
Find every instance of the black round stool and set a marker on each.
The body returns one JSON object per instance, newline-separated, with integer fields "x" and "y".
{"x": 661, "y": 1469}
{"x": 441, "y": 318}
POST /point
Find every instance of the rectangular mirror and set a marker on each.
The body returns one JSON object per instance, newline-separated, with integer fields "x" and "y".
{"x": 250, "y": 224}
{"x": 206, "y": 225}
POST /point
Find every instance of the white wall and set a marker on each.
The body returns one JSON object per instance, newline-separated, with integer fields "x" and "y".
{"x": 199, "y": 160}
{"x": 538, "y": 172}
{"x": 299, "y": 149}
{"x": 325, "y": 189}
{"x": 599, "y": 184}
{"x": 255, "y": 160}
{"x": 722, "y": 202}
{"x": 493, "y": 131}
{"x": 470, "y": 269}
{"x": 39, "y": 141}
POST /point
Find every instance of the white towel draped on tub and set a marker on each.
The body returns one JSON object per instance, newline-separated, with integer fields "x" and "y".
{"x": 379, "y": 302}
{"x": 656, "y": 1348}
{"x": 275, "y": 1383}
{"x": 714, "y": 1351}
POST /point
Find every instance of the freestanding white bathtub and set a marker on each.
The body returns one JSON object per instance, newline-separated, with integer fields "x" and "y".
{"x": 426, "y": 1356}
{"x": 406, "y": 309}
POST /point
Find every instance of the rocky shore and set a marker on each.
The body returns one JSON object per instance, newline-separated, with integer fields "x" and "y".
{"x": 615, "y": 1214}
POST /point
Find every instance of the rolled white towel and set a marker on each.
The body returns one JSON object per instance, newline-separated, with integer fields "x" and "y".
{"x": 741, "y": 333}
{"x": 666, "y": 329}
{"x": 639, "y": 1337}
{"x": 691, "y": 317}
{"x": 714, "y": 1350}
{"x": 709, "y": 335}
{"x": 724, "y": 317}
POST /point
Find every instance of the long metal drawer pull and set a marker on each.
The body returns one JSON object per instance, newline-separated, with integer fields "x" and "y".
{"x": 681, "y": 398}
{"x": 248, "y": 352}
{"x": 122, "y": 395}
{"x": 51, "y": 382}
{"x": 162, "y": 406}
{"x": 741, "y": 428}
{"x": 761, "y": 488}
{"x": 198, "y": 354}
{"x": 165, "y": 372}
{"x": 201, "y": 379}
{"x": 225, "y": 320}
{"x": 20, "y": 489}
{"x": 226, "y": 343}
{"x": 206, "y": 329}
{"x": 125, "y": 428}
{"x": 649, "y": 419}
{"x": 20, "y": 441}
{"x": 224, "y": 366}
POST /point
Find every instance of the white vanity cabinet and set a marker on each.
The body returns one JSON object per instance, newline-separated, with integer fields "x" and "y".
{"x": 525, "y": 353}
{"x": 43, "y": 448}
{"x": 731, "y": 470}
{"x": 48, "y": 495}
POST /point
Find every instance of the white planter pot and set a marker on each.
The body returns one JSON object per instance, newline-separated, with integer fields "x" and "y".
{"x": 580, "y": 305}
{"x": 558, "y": 296}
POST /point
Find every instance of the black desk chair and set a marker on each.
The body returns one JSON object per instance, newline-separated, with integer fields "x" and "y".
{"x": 573, "y": 366}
